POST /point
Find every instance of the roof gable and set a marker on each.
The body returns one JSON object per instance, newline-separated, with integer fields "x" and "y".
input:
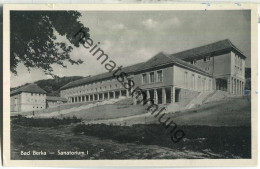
{"x": 207, "y": 49}
{"x": 164, "y": 59}
{"x": 157, "y": 60}
{"x": 30, "y": 88}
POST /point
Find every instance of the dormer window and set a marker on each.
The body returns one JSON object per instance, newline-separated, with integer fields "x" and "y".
{"x": 206, "y": 59}
{"x": 193, "y": 62}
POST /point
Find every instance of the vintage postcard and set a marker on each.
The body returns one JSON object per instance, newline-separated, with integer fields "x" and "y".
{"x": 130, "y": 85}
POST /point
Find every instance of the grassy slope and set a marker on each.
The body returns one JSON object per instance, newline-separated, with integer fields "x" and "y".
{"x": 108, "y": 112}
{"x": 229, "y": 112}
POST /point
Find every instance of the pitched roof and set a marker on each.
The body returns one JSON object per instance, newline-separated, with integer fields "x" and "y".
{"x": 157, "y": 60}
{"x": 207, "y": 49}
{"x": 186, "y": 64}
{"x": 164, "y": 59}
{"x": 109, "y": 75}
{"x": 30, "y": 88}
{"x": 53, "y": 98}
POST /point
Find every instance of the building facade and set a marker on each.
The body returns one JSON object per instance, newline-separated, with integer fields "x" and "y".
{"x": 52, "y": 101}
{"x": 28, "y": 98}
{"x": 170, "y": 78}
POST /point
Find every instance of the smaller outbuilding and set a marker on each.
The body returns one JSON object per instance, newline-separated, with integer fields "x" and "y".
{"x": 31, "y": 97}
{"x": 28, "y": 98}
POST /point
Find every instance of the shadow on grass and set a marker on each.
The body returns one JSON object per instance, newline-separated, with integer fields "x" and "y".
{"x": 43, "y": 122}
{"x": 231, "y": 142}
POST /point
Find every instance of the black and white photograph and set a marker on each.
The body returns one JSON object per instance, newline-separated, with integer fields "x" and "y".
{"x": 95, "y": 85}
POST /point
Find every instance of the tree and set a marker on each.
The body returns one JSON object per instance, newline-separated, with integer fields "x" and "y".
{"x": 33, "y": 39}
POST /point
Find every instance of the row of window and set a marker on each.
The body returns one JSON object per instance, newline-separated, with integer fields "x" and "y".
{"x": 37, "y": 107}
{"x": 94, "y": 89}
{"x": 201, "y": 82}
{"x": 238, "y": 70}
{"x": 35, "y": 100}
{"x": 238, "y": 61}
{"x": 205, "y": 59}
{"x": 152, "y": 77}
{"x": 34, "y": 94}
{"x": 30, "y": 100}
{"x": 81, "y": 89}
{"x": 33, "y": 106}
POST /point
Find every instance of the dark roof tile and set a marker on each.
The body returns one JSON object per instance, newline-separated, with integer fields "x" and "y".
{"x": 109, "y": 75}
{"x": 30, "y": 88}
{"x": 207, "y": 49}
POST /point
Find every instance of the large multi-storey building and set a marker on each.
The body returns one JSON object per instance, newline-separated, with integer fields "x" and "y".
{"x": 170, "y": 78}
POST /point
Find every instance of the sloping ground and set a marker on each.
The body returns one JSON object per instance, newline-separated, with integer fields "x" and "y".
{"x": 66, "y": 109}
{"x": 199, "y": 99}
{"x": 218, "y": 95}
{"x": 228, "y": 112}
{"x": 110, "y": 111}
{"x": 127, "y": 101}
{"x": 53, "y": 109}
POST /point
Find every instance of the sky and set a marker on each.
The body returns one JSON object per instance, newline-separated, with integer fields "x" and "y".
{"x": 136, "y": 36}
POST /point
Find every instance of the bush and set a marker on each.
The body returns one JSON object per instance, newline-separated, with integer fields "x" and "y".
{"x": 229, "y": 141}
{"x": 43, "y": 122}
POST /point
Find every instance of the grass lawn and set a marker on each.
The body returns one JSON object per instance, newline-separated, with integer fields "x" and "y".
{"x": 229, "y": 112}
{"x": 108, "y": 112}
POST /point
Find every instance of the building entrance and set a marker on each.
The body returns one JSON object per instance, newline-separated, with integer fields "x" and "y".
{"x": 221, "y": 84}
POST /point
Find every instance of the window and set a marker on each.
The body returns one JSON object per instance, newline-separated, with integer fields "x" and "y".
{"x": 193, "y": 81}
{"x": 186, "y": 78}
{"x": 159, "y": 75}
{"x": 193, "y": 62}
{"x": 144, "y": 78}
{"x": 152, "y": 77}
{"x": 116, "y": 86}
{"x": 209, "y": 87}
{"x": 206, "y": 68}
{"x": 199, "y": 83}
